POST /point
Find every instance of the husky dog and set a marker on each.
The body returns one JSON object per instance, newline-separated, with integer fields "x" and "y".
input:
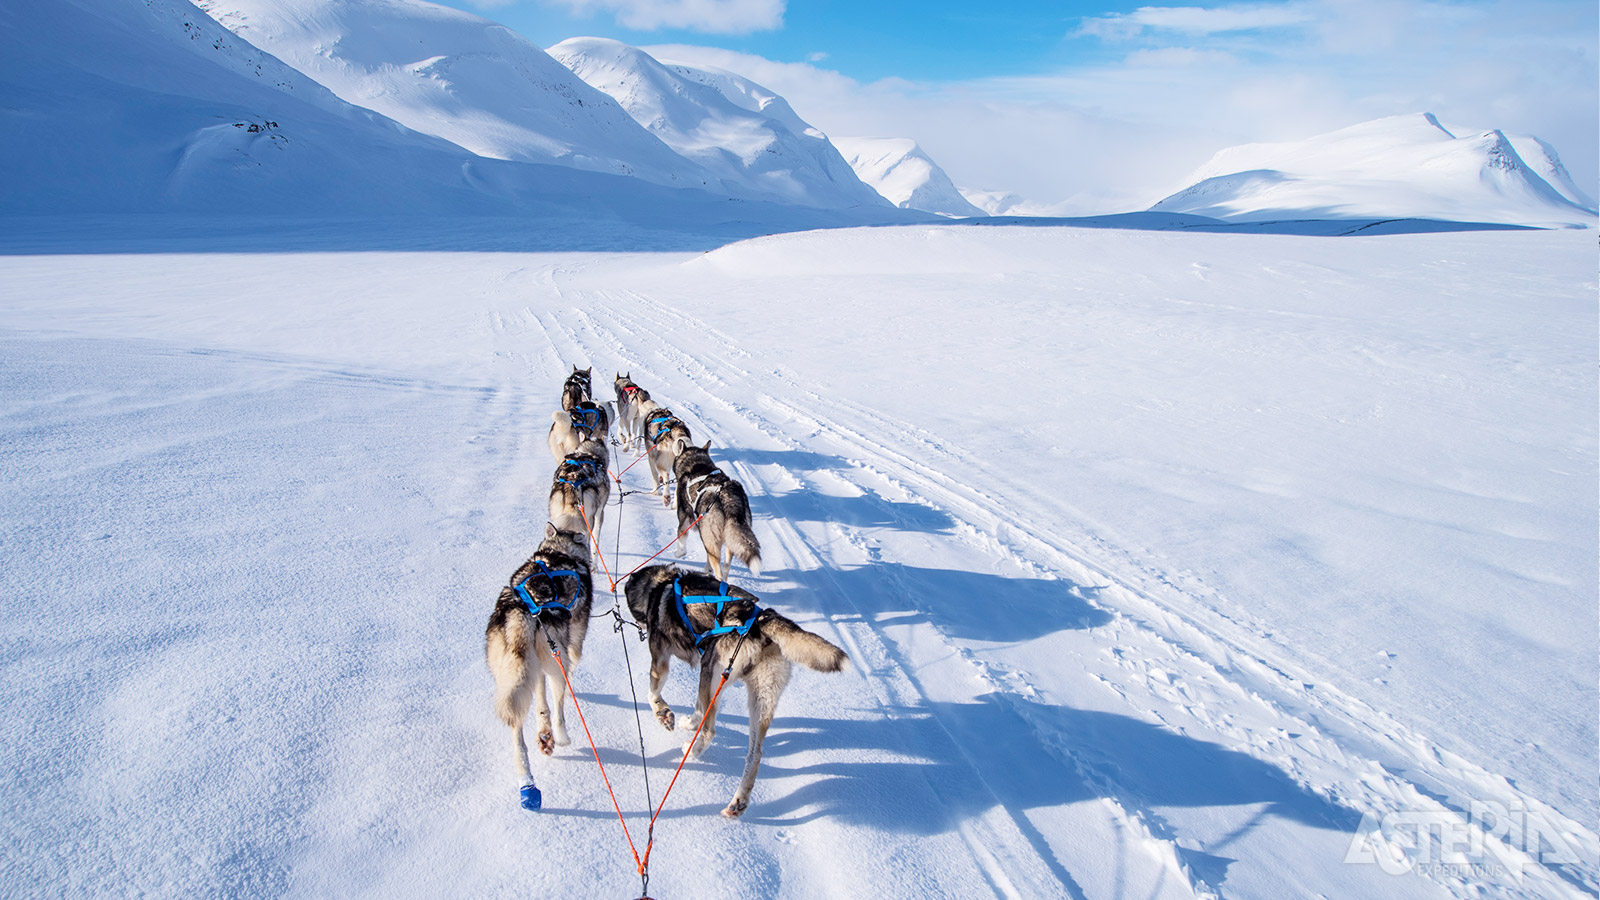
{"x": 572, "y": 427}
{"x": 691, "y": 616}
{"x": 631, "y": 400}
{"x": 723, "y": 510}
{"x": 665, "y": 436}
{"x": 581, "y": 488}
{"x": 576, "y": 389}
{"x": 548, "y": 599}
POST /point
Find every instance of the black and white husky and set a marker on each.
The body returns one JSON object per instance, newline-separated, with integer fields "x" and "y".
{"x": 665, "y": 436}
{"x": 631, "y": 401}
{"x": 547, "y": 599}
{"x": 719, "y": 503}
{"x": 689, "y": 615}
{"x": 581, "y": 488}
{"x": 571, "y": 427}
{"x": 576, "y": 389}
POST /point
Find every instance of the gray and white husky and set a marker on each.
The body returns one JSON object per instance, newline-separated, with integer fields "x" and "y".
{"x": 665, "y": 436}
{"x": 571, "y": 427}
{"x": 547, "y": 599}
{"x": 631, "y": 401}
{"x": 669, "y": 601}
{"x": 720, "y": 504}
{"x": 581, "y": 488}
{"x": 576, "y": 388}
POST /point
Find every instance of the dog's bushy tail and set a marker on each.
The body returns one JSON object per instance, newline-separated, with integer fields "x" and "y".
{"x": 801, "y": 646}
{"x": 742, "y": 544}
{"x": 506, "y": 649}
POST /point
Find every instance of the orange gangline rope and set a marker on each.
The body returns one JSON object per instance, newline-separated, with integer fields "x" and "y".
{"x": 640, "y": 864}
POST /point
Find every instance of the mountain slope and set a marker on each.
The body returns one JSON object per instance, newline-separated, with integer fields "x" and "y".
{"x": 143, "y": 107}
{"x": 899, "y": 170}
{"x": 744, "y": 134}
{"x": 1398, "y": 167}
{"x": 460, "y": 77}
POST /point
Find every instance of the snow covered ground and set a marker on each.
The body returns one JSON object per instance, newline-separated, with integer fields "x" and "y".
{"x": 1168, "y": 564}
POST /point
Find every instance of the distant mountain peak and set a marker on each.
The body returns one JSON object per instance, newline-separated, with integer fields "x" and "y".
{"x": 746, "y": 135}
{"x": 1408, "y": 166}
{"x": 910, "y": 179}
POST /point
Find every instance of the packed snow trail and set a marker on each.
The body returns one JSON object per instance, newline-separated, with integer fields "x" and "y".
{"x": 289, "y": 502}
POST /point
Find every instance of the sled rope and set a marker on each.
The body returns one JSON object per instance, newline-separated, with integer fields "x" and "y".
{"x": 727, "y": 670}
{"x": 578, "y": 708}
{"x": 666, "y": 548}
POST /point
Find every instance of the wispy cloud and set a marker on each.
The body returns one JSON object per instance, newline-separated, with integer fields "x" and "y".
{"x": 709, "y": 16}
{"x": 1196, "y": 20}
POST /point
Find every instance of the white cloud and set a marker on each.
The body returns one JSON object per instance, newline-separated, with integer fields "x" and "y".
{"x": 1197, "y": 20}
{"x": 710, "y": 16}
{"x": 817, "y": 57}
{"x": 1119, "y": 135}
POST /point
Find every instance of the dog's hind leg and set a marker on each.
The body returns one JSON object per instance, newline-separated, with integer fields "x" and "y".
{"x": 658, "y": 677}
{"x": 547, "y": 742}
{"x": 558, "y": 707}
{"x": 763, "y": 702}
{"x": 705, "y": 712}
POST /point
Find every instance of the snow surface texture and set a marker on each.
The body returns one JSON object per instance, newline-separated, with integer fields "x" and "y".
{"x": 1161, "y": 558}
{"x": 772, "y": 155}
{"x": 1402, "y": 166}
{"x": 463, "y": 78}
{"x": 902, "y": 172}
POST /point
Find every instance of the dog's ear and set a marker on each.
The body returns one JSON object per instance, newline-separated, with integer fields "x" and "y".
{"x": 550, "y": 530}
{"x": 707, "y": 446}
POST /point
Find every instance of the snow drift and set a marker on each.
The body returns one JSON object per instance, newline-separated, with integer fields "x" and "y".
{"x": 1399, "y": 167}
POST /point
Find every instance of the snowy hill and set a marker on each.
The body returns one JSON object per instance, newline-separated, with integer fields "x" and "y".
{"x": 1398, "y": 167}
{"x": 459, "y": 77}
{"x": 902, "y": 172}
{"x": 759, "y": 148}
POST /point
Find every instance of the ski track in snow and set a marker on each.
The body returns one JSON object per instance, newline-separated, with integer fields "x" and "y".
{"x": 1172, "y": 659}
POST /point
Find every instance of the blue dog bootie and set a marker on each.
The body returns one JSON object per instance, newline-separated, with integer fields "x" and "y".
{"x": 531, "y": 798}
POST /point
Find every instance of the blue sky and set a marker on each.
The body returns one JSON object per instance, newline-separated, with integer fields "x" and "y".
{"x": 937, "y": 40}
{"x": 1091, "y": 107}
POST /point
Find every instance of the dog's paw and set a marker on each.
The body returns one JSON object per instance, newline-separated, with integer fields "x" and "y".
{"x": 547, "y": 742}
{"x": 562, "y": 739}
{"x": 735, "y": 808}
{"x": 666, "y": 718}
{"x": 696, "y": 749}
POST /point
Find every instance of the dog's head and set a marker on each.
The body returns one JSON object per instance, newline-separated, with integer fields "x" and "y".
{"x": 690, "y": 458}
{"x": 566, "y": 543}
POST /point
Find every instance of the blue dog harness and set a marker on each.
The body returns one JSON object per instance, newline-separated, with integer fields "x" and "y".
{"x": 720, "y": 600}
{"x": 587, "y": 419}
{"x": 586, "y": 465}
{"x": 534, "y": 606}
{"x": 659, "y": 432}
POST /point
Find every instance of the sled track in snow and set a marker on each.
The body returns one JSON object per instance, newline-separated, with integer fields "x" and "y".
{"x": 1167, "y": 656}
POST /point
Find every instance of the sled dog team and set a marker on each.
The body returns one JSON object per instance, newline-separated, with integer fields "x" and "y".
{"x": 696, "y": 617}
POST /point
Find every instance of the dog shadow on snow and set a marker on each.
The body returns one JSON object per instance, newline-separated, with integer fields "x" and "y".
{"x": 924, "y": 770}
{"x": 911, "y": 774}
{"x": 814, "y": 504}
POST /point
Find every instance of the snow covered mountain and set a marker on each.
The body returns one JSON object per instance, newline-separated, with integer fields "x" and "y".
{"x": 902, "y": 172}
{"x": 745, "y": 134}
{"x": 140, "y": 107}
{"x": 459, "y": 77}
{"x": 1398, "y": 167}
